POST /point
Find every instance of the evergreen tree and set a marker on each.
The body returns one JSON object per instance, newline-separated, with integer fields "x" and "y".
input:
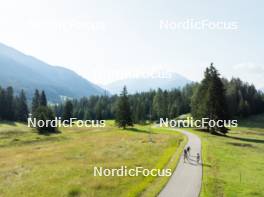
{"x": 2, "y": 104}
{"x": 21, "y": 107}
{"x": 87, "y": 115}
{"x": 139, "y": 110}
{"x": 43, "y": 99}
{"x": 44, "y": 113}
{"x": 173, "y": 111}
{"x": 209, "y": 100}
{"x": 80, "y": 114}
{"x": 158, "y": 104}
{"x": 35, "y": 101}
{"x": 58, "y": 109}
{"x": 99, "y": 110}
{"x": 10, "y": 107}
{"x": 68, "y": 110}
{"x": 123, "y": 113}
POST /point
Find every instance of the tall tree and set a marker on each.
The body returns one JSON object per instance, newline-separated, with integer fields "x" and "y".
{"x": 45, "y": 113}
{"x": 43, "y": 99}
{"x": 35, "y": 101}
{"x": 68, "y": 110}
{"x": 123, "y": 113}
{"x": 99, "y": 110}
{"x": 2, "y": 103}
{"x": 158, "y": 104}
{"x": 10, "y": 107}
{"x": 209, "y": 99}
{"x": 21, "y": 107}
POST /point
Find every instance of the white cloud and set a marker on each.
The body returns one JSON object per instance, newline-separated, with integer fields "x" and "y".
{"x": 250, "y": 72}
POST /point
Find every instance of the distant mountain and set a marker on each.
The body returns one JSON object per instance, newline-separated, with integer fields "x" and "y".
{"x": 172, "y": 80}
{"x": 26, "y": 72}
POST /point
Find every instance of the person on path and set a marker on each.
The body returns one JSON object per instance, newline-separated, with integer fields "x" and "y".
{"x": 189, "y": 150}
{"x": 198, "y": 157}
{"x": 185, "y": 155}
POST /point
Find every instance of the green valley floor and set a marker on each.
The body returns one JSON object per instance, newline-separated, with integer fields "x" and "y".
{"x": 234, "y": 165}
{"x": 62, "y": 164}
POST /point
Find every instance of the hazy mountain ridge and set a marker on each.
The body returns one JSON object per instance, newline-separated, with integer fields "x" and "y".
{"x": 134, "y": 85}
{"x": 26, "y": 72}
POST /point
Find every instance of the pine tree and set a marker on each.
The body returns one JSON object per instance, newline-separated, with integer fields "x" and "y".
{"x": 209, "y": 99}
{"x": 68, "y": 110}
{"x": 99, "y": 110}
{"x": 217, "y": 101}
{"x": 123, "y": 113}
{"x": 10, "y": 107}
{"x": 21, "y": 107}
{"x": 2, "y": 104}
{"x": 58, "y": 109}
{"x": 43, "y": 99}
{"x": 158, "y": 102}
{"x": 139, "y": 111}
{"x": 44, "y": 113}
{"x": 173, "y": 111}
{"x": 35, "y": 101}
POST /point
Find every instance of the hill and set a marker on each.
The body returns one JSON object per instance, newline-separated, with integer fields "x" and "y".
{"x": 26, "y": 72}
{"x": 172, "y": 80}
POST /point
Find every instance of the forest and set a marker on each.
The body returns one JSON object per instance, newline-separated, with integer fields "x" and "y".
{"x": 235, "y": 97}
{"x": 240, "y": 99}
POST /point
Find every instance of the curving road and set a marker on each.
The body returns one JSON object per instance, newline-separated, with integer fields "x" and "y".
{"x": 186, "y": 180}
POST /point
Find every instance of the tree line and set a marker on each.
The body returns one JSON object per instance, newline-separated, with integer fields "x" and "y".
{"x": 232, "y": 98}
{"x": 214, "y": 97}
{"x": 143, "y": 106}
{"x": 13, "y": 108}
{"x": 217, "y": 98}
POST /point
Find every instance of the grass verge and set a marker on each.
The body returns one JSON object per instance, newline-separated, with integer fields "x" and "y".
{"x": 233, "y": 165}
{"x": 159, "y": 183}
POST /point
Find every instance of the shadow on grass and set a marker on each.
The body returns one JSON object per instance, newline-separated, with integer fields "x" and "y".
{"x": 206, "y": 165}
{"x": 194, "y": 162}
{"x": 233, "y": 137}
{"x": 206, "y": 131}
{"x": 48, "y": 133}
{"x": 246, "y": 139}
{"x": 240, "y": 144}
{"x": 138, "y": 130}
{"x": 259, "y": 141}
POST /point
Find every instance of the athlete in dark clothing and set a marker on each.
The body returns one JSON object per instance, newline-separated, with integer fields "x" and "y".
{"x": 189, "y": 150}
{"x": 185, "y": 155}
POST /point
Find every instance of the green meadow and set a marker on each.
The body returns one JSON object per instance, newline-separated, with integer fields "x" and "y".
{"x": 62, "y": 164}
{"x": 233, "y": 165}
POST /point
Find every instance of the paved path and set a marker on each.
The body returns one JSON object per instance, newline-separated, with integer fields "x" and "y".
{"x": 187, "y": 178}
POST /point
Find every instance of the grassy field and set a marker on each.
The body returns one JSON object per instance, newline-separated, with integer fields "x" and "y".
{"x": 62, "y": 164}
{"x": 234, "y": 165}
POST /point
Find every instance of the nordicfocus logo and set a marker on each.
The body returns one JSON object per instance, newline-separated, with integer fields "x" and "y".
{"x": 58, "y": 122}
{"x": 191, "y": 123}
{"x": 125, "y": 171}
{"x": 194, "y": 24}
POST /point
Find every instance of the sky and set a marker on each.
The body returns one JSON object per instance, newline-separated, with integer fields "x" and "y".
{"x": 106, "y": 40}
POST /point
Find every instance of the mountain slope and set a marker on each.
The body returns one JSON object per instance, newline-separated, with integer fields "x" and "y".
{"x": 28, "y": 73}
{"x": 173, "y": 80}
